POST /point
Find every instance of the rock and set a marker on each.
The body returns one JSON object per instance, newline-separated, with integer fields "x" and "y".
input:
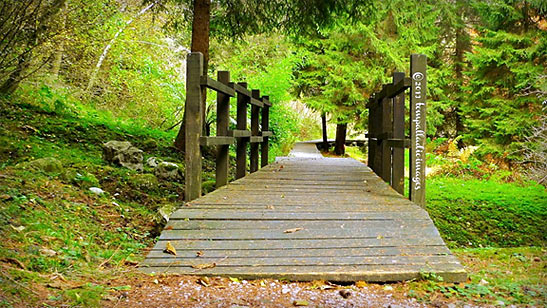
{"x": 500, "y": 303}
{"x": 47, "y": 164}
{"x": 82, "y": 179}
{"x": 345, "y": 293}
{"x": 165, "y": 211}
{"x": 153, "y": 162}
{"x": 124, "y": 154}
{"x": 168, "y": 171}
{"x": 150, "y": 144}
{"x": 146, "y": 181}
{"x": 47, "y": 252}
{"x": 96, "y": 190}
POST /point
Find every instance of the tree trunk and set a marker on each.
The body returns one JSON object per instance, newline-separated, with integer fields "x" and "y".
{"x": 324, "y": 127}
{"x": 200, "y": 43}
{"x": 95, "y": 72}
{"x": 340, "y": 142}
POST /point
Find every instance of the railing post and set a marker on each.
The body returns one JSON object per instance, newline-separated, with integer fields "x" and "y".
{"x": 385, "y": 172}
{"x": 372, "y": 132}
{"x": 193, "y": 126}
{"x": 223, "y": 116}
{"x": 255, "y": 112}
{"x": 241, "y": 147}
{"x": 418, "y": 65}
{"x": 398, "y": 167}
{"x": 265, "y": 146}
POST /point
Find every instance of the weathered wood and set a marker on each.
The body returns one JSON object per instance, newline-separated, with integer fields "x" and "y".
{"x": 223, "y": 119}
{"x": 385, "y": 170}
{"x": 241, "y": 148}
{"x": 399, "y": 143}
{"x": 398, "y": 152}
{"x": 418, "y": 66}
{"x": 266, "y": 101}
{"x": 255, "y": 113}
{"x": 256, "y": 139}
{"x": 239, "y": 133}
{"x": 256, "y": 102}
{"x": 193, "y": 126}
{"x": 265, "y": 123}
{"x": 241, "y": 88}
{"x": 353, "y": 227}
{"x": 216, "y": 140}
{"x": 218, "y": 86}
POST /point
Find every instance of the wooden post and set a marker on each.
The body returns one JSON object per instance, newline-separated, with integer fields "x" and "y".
{"x": 255, "y": 112}
{"x": 418, "y": 65}
{"x": 193, "y": 126}
{"x": 265, "y": 146}
{"x": 398, "y": 167}
{"x": 241, "y": 147}
{"x": 373, "y": 132}
{"x": 378, "y": 131}
{"x": 223, "y": 117}
{"x": 386, "y": 125}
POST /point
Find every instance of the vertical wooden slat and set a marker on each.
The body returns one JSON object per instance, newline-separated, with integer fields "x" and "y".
{"x": 255, "y": 113}
{"x": 386, "y": 133}
{"x": 265, "y": 145}
{"x": 371, "y": 140}
{"x": 398, "y": 167}
{"x": 223, "y": 116}
{"x": 378, "y": 129}
{"x": 418, "y": 64}
{"x": 193, "y": 126}
{"x": 241, "y": 147}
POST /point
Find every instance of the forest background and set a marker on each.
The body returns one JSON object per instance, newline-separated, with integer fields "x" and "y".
{"x": 75, "y": 73}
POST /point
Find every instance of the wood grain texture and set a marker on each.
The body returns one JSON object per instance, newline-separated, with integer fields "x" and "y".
{"x": 305, "y": 218}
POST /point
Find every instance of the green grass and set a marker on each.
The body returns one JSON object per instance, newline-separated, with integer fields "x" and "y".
{"x": 480, "y": 213}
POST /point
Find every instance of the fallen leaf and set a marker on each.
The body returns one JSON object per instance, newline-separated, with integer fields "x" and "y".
{"x": 47, "y": 252}
{"x": 204, "y": 281}
{"x": 293, "y": 230}
{"x": 20, "y": 228}
{"x": 234, "y": 279}
{"x": 388, "y": 288}
{"x": 379, "y": 237}
{"x": 262, "y": 283}
{"x": 300, "y": 302}
{"x": 169, "y": 228}
{"x": 360, "y": 284}
{"x": 270, "y": 207}
{"x": 199, "y": 253}
{"x": 170, "y": 249}
{"x": 204, "y": 266}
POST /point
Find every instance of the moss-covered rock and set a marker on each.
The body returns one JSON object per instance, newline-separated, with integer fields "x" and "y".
{"x": 80, "y": 178}
{"x": 169, "y": 171}
{"x": 145, "y": 181}
{"x": 46, "y": 164}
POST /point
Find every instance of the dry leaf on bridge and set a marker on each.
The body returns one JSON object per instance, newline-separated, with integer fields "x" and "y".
{"x": 293, "y": 230}
{"x": 170, "y": 249}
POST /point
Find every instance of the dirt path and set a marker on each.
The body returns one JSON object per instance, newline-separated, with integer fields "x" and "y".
{"x": 190, "y": 291}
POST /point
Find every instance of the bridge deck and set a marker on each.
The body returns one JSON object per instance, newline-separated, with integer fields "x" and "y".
{"x": 305, "y": 218}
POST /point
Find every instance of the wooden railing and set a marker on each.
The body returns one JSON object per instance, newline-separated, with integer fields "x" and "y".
{"x": 386, "y": 130}
{"x": 196, "y": 78}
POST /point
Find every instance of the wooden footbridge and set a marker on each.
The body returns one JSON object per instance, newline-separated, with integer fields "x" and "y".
{"x": 304, "y": 217}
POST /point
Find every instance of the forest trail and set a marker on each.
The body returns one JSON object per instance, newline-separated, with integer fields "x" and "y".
{"x": 304, "y": 218}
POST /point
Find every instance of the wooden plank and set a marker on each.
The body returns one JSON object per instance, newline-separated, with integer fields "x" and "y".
{"x": 265, "y": 215}
{"x": 300, "y": 243}
{"x": 255, "y": 102}
{"x": 241, "y": 147}
{"x": 255, "y": 114}
{"x": 241, "y": 88}
{"x": 284, "y": 225}
{"x": 193, "y": 126}
{"x": 371, "y": 273}
{"x": 399, "y": 143}
{"x": 223, "y": 119}
{"x": 266, "y": 133}
{"x": 217, "y": 86}
{"x": 418, "y": 66}
{"x": 309, "y": 252}
{"x": 239, "y": 133}
{"x": 398, "y": 129}
{"x": 266, "y": 100}
{"x": 406, "y": 231}
{"x": 306, "y": 261}
{"x": 216, "y": 140}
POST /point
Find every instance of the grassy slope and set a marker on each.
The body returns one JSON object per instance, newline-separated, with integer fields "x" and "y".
{"x": 51, "y": 225}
